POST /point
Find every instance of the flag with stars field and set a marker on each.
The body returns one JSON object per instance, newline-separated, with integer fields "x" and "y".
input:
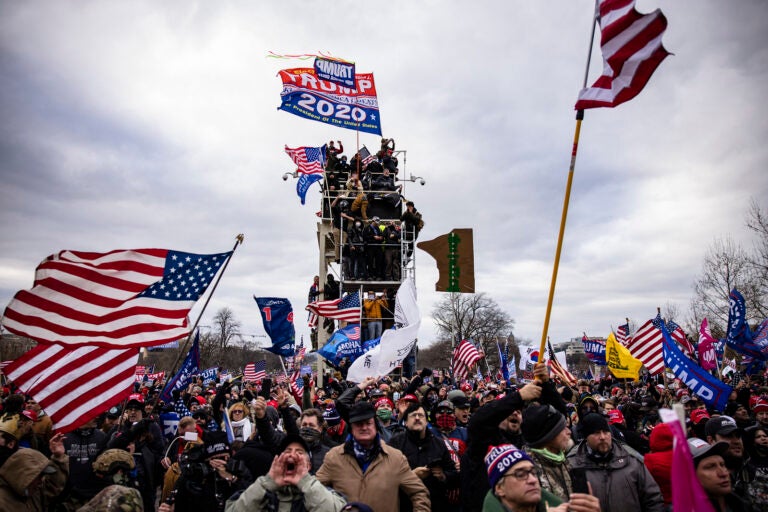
{"x": 118, "y": 299}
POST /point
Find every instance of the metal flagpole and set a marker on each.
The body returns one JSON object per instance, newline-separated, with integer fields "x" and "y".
{"x": 561, "y": 234}
{"x": 238, "y": 240}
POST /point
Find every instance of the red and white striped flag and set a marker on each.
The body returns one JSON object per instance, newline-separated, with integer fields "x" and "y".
{"x": 118, "y": 299}
{"x": 308, "y": 160}
{"x": 677, "y": 334}
{"x": 75, "y": 384}
{"x": 632, "y": 50}
{"x": 560, "y": 373}
{"x": 464, "y": 356}
{"x": 622, "y": 334}
{"x": 346, "y": 308}
{"x": 255, "y": 372}
{"x": 647, "y": 345}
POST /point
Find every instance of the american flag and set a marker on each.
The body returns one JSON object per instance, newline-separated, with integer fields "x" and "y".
{"x": 622, "y": 334}
{"x": 346, "y": 308}
{"x": 632, "y": 50}
{"x": 308, "y": 160}
{"x": 312, "y": 321}
{"x": 647, "y": 345}
{"x": 75, "y": 384}
{"x": 255, "y": 372}
{"x": 677, "y": 334}
{"x": 302, "y": 350}
{"x": 365, "y": 157}
{"x": 118, "y": 299}
{"x": 464, "y": 356}
{"x": 562, "y": 374}
{"x": 280, "y": 378}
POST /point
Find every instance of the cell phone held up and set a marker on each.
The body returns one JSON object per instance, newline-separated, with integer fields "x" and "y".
{"x": 266, "y": 389}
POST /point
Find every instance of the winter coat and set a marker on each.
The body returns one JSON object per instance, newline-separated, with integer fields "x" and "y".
{"x": 309, "y": 495}
{"x": 659, "y": 460}
{"x": 621, "y": 483}
{"x": 18, "y": 472}
{"x": 387, "y": 474}
{"x": 422, "y": 452}
{"x": 555, "y": 476}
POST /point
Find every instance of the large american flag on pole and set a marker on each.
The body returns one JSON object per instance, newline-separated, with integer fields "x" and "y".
{"x": 118, "y": 299}
{"x": 308, "y": 160}
{"x": 75, "y": 384}
{"x": 647, "y": 345}
{"x": 346, "y": 308}
{"x": 632, "y": 50}
{"x": 464, "y": 356}
{"x": 562, "y": 374}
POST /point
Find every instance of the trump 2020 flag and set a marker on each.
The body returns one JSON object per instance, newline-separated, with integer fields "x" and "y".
{"x": 305, "y": 95}
{"x": 277, "y": 315}
{"x": 118, "y": 299}
{"x": 711, "y": 390}
{"x": 740, "y": 337}
{"x": 189, "y": 368}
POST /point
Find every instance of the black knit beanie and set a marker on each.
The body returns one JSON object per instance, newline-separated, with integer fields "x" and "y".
{"x": 541, "y": 424}
{"x": 594, "y": 422}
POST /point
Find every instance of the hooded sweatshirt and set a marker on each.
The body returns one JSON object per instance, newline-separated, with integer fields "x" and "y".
{"x": 20, "y": 470}
{"x": 659, "y": 460}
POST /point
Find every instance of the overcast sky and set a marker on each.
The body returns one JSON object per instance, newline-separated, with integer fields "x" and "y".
{"x": 155, "y": 124}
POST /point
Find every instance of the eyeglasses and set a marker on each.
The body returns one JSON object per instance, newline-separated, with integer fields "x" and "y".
{"x": 237, "y": 412}
{"x": 523, "y": 474}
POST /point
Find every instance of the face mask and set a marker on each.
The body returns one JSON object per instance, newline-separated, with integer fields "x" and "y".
{"x": 119, "y": 478}
{"x": 384, "y": 414}
{"x": 310, "y": 435}
{"x": 432, "y": 399}
{"x": 446, "y": 421}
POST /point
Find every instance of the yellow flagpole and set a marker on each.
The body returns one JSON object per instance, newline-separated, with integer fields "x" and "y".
{"x": 566, "y": 200}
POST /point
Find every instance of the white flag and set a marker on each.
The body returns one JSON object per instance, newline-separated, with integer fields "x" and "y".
{"x": 395, "y": 344}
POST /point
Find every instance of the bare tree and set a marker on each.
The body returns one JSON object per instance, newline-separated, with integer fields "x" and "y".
{"x": 726, "y": 266}
{"x": 472, "y": 316}
{"x": 214, "y": 344}
{"x": 757, "y": 222}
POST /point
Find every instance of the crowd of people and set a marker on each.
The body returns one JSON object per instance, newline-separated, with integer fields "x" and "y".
{"x": 371, "y": 246}
{"x": 387, "y": 444}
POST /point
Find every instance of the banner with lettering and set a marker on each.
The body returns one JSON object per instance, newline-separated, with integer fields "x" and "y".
{"x": 711, "y": 390}
{"x": 595, "y": 350}
{"x": 333, "y": 70}
{"x": 305, "y": 95}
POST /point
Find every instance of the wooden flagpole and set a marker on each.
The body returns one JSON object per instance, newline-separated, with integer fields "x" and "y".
{"x": 566, "y": 200}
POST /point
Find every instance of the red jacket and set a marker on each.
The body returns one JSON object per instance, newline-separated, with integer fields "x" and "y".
{"x": 659, "y": 460}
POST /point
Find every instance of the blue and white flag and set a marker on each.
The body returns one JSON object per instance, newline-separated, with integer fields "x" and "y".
{"x": 277, "y": 316}
{"x": 209, "y": 375}
{"x": 304, "y": 182}
{"x": 189, "y": 368}
{"x": 343, "y": 343}
{"x": 711, "y": 390}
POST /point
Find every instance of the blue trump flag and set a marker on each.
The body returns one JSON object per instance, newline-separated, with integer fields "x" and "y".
{"x": 595, "y": 350}
{"x": 277, "y": 315}
{"x": 343, "y": 343}
{"x": 740, "y": 337}
{"x": 189, "y": 368}
{"x": 304, "y": 182}
{"x": 712, "y": 391}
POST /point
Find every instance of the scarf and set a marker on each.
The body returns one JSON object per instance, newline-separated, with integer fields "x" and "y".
{"x": 363, "y": 455}
{"x": 558, "y": 458}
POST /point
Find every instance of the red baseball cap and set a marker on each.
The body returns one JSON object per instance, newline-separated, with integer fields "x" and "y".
{"x": 409, "y": 398}
{"x": 32, "y": 415}
{"x": 615, "y": 416}
{"x": 136, "y": 397}
{"x": 697, "y": 415}
{"x": 760, "y": 406}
